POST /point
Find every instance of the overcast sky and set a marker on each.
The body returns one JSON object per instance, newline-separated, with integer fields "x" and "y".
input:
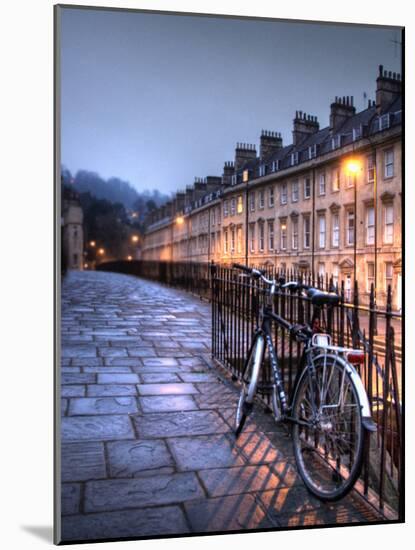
{"x": 159, "y": 99}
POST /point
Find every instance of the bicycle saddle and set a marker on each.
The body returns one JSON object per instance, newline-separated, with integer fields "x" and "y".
{"x": 320, "y": 297}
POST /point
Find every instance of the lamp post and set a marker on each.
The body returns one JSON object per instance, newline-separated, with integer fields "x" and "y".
{"x": 353, "y": 166}
{"x": 179, "y": 220}
{"x": 245, "y": 177}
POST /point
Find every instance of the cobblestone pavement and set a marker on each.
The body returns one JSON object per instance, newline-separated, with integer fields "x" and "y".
{"x": 147, "y": 442}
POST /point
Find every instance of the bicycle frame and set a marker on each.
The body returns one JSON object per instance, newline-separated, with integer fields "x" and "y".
{"x": 325, "y": 352}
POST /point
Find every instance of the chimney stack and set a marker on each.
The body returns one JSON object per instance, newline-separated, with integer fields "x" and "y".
{"x": 228, "y": 171}
{"x": 270, "y": 143}
{"x": 388, "y": 88}
{"x": 179, "y": 201}
{"x": 244, "y": 152}
{"x": 213, "y": 183}
{"x": 304, "y": 126}
{"x": 340, "y": 110}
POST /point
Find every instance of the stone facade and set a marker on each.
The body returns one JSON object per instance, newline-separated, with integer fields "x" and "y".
{"x": 300, "y": 206}
{"x": 72, "y": 231}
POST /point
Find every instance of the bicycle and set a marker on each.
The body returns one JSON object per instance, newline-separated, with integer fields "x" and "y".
{"x": 328, "y": 409}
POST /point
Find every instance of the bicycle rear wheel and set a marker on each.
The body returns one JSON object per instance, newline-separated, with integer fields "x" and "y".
{"x": 328, "y": 434}
{"x": 249, "y": 383}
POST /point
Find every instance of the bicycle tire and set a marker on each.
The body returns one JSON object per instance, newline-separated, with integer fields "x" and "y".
{"x": 249, "y": 383}
{"x": 319, "y": 472}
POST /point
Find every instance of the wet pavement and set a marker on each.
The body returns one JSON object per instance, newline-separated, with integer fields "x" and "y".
{"x": 147, "y": 441}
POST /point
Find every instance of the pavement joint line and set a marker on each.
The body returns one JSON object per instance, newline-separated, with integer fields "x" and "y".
{"x": 124, "y": 309}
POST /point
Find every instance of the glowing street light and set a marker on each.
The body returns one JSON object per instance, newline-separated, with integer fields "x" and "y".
{"x": 180, "y": 220}
{"x": 134, "y": 238}
{"x": 92, "y": 243}
{"x": 129, "y": 258}
{"x": 101, "y": 251}
{"x": 353, "y": 167}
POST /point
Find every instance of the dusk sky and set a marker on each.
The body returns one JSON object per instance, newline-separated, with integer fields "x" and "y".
{"x": 159, "y": 99}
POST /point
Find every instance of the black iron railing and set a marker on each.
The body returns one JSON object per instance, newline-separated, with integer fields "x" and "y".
{"x": 190, "y": 276}
{"x": 235, "y": 306}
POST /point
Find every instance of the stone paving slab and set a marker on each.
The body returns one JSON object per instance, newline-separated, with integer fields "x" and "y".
{"x": 99, "y": 428}
{"x": 119, "y": 494}
{"x": 83, "y": 461}
{"x": 230, "y": 513}
{"x": 102, "y": 405}
{"x": 173, "y": 424}
{"x": 138, "y": 458}
{"x": 166, "y": 520}
{"x": 166, "y": 403}
{"x": 147, "y": 424}
{"x": 239, "y": 479}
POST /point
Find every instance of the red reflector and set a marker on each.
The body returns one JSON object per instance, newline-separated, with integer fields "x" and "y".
{"x": 356, "y": 357}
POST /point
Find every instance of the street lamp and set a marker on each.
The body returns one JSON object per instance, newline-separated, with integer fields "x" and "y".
{"x": 92, "y": 244}
{"x": 101, "y": 251}
{"x": 135, "y": 238}
{"x": 353, "y": 167}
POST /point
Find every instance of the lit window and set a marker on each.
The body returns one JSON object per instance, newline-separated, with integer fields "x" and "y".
{"x": 240, "y": 207}
{"x": 271, "y": 235}
{"x": 283, "y": 231}
{"x": 357, "y": 133}
{"x": 307, "y": 188}
{"x": 261, "y": 237}
{"x": 336, "y": 230}
{"x": 371, "y": 168}
{"x": 275, "y": 165}
{"x": 271, "y": 197}
{"x": 294, "y": 191}
{"x": 384, "y": 122}
{"x": 389, "y": 169}
{"x": 245, "y": 176}
{"x": 232, "y": 240}
{"x": 388, "y": 274}
{"x": 252, "y": 237}
{"x": 294, "y": 159}
{"x": 312, "y": 151}
{"x": 239, "y": 240}
{"x": 370, "y": 225}
{"x": 225, "y": 209}
{"x": 294, "y": 233}
{"x": 226, "y": 242}
{"x": 307, "y": 225}
{"x": 322, "y": 231}
{"x": 388, "y": 232}
{"x": 335, "y": 181}
{"x": 322, "y": 184}
{"x": 284, "y": 193}
{"x": 335, "y": 275}
{"x": 335, "y": 142}
{"x": 370, "y": 275}
{"x": 350, "y": 228}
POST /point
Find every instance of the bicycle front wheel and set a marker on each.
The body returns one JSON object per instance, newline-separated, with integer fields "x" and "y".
{"x": 328, "y": 434}
{"x": 249, "y": 383}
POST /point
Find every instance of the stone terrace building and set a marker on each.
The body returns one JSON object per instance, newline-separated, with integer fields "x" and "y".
{"x": 300, "y": 206}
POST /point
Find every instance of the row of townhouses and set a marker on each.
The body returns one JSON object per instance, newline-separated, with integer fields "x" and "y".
{"x": 329, "y": 203}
